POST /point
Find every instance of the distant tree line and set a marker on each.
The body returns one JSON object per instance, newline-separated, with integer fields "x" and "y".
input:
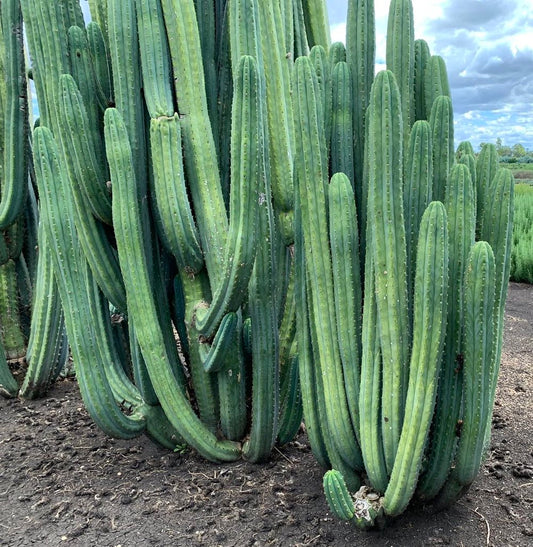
{"x": 512, "y": 154}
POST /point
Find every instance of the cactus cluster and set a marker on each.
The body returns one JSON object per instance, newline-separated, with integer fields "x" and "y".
{"x": 400, "y": 334}
{"x": 239, "y": 223}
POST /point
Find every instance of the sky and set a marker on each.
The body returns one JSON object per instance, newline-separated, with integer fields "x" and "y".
{"x": 488, "y": 49}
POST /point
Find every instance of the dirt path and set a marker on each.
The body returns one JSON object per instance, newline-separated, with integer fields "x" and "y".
{"x": 63, "y": 482}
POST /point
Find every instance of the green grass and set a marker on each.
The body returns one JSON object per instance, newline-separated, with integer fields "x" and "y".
{"x": 522, "y": 250}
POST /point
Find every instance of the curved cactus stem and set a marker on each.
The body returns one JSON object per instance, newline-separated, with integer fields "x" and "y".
{"x": 14, "y": 184}
{"x": 339, "y": 500}
{"x": 309, "y": 382}
{"x": 385, "y": 208}
{"x": 460, "y": 206}
{"x": 429, "y": 329}
{"x": 470, "y": 161}
{"x": 69, "y": 267}
{"x": 479, "y": 349}
{"x": 247, "y": 193}
{"x": 232, "y": 384}
{"x": 370, "y": 421}
{"x": 86, "y": 183}
{"x": 172, "y": 210}
{"x": 344, "y": 242}
{"x": 47, "y": 328}
{"x": 199, "y": 145}
{"x": 497, "y": 230}
{"x": 85, "y": 76}
{"x": 101, "y": 64}
{"x": 311, "y": 172}
{"x": 131, "y": 238}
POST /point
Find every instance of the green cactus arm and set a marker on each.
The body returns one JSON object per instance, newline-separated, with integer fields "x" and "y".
{"x": 155, "y": 58}
{"x": 207, "y": 27}
{"x": 301, "y": 43}
{"x": 287, "y": 18}
{"x": 14, "y": 186}
{"x": 47, "y": 327}
{"x": 479, "y": 325}
{"x": 11, "y": 337}
{"x": 470, "y": 161}
{"x": 84, "y": 178}
{"x": 311, "y": 171}
{"x": 291, "y": 408}
{"x": 309, "y": 383}
{"x": 232, "y": 384}
{"x": 76, "y": 130}
{"x": 498, "y": 232}
{"x": 465, "y": 147}
{"x": 263, "y": 306}
{"x": 84, "y": 74}
{"x": 429, "y": 329}
{"x": 172, "y": 210}
{"x": 214, "y": 355}
{"x": 101, "y": 63}
{"x": 67, "y": 260}
{"x": 422, "y": 55}
{"x": 441, "y": 121}
{"x": 99, "y": 14}
{"x": 360, "y": 55}
{"x": 487, "y": 164}
{"x": 370, "y": 420}
{"x": 127, "y": 85}
{"x": 460, "y": 207}
{"x": 385, "y": 208}
{"x": 130, "y": 236}
{"x": 339, "y": 500}
{"x": 436, "y": 81}
{"x": 320, "y": 62}
{"x": 246, "y": 196}
{"x": 341, "y": 149}
{"x": 279, "y": 105}
{"x": 336, "y": 54}
{"x": 344, "y": 242}
{"x": 8, "y": 385}
{"x": 71, "y": 13}
{"x": 317, "y": 23}
{"x": 401, "y": 57}
{"x": 417, "y": 190}
{"x": 199, "y": 146}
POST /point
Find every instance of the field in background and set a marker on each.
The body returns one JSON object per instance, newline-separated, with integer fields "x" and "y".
{"x": 522, "y": 251}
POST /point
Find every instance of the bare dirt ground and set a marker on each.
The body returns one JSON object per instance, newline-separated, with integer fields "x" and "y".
{"x": 63, "y": 482}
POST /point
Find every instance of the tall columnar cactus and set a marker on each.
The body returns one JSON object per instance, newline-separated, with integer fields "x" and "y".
{"x": 183, "y": 227}
{"x": 420, "y": 369}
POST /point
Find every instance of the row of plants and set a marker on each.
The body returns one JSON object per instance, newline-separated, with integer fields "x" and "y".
{"x": 235, "y": 223}
{"x": 522, "y": 250}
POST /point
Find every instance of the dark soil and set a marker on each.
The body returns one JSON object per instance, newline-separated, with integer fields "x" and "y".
{"x": 62, "y": 481}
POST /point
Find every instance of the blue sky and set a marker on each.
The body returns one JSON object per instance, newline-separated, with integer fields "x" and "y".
{"x": 488, "y": 49}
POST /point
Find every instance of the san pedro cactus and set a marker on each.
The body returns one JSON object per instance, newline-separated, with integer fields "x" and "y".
{"x": 278, "y": 230}
{"x": 420, "y": 369}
